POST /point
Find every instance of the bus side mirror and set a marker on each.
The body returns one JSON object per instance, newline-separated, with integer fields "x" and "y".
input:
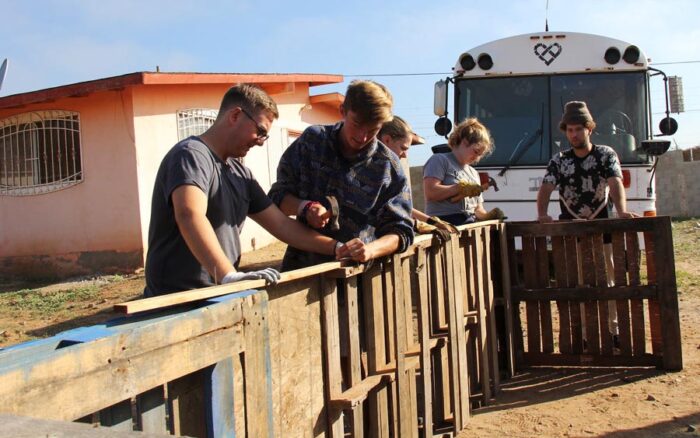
{"x": 655, "y": 147}
{"x": 668, "y": 126}
{"x": 440, "y": 98}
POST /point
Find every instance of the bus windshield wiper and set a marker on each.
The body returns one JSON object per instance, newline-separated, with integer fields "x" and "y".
{"x": 524, "y": 145}
{"x": 520, "y": 150}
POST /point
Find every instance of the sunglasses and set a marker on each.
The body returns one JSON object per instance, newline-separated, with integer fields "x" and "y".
{"x": 262, "y": 132}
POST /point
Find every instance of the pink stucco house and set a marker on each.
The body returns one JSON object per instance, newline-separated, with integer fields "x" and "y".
{"x": 78, "y": 162}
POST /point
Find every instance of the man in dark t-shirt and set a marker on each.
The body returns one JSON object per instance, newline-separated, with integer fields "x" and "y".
{"x": 202, "y": 196}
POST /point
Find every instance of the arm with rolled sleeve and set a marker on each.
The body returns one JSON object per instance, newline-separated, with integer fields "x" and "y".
{"x": 394, "y": 216}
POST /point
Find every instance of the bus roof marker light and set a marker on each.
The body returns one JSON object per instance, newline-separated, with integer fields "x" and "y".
{"x": 631, "y": 55}
{"x": 467, "y": 61}
{"x": 612, "y": 55}
{"x": 485, "y": 61}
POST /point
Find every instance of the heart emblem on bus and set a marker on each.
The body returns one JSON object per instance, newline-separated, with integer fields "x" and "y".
{"x": 547, "y": 53}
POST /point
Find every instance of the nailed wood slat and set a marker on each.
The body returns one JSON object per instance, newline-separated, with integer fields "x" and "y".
{"x": 668, "y": 297}
{"x": 378, "y": 403}
{"x": 421, "y": 280}
{"x": 354, "y": 354}
{"x": 587, "y": 268}
{"x": 623, "y": 305}
{"x": 572, "y": 277}
{"x": 492, "y": 342}
{"x": 331, "y": 349}
{"x": 559, "y": 260}
{"x": 654, "y": 311}
{"x": 545, "y": 306}
{"x": 507, "y": 303}
{"x": 636, "y": 305}
{"x": 532, "y": 308}
{"x": 190, "y": 296}
{"x": 606, "y": 344}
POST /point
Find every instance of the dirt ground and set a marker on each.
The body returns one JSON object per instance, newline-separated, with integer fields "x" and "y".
{"x": 544, "y": 402}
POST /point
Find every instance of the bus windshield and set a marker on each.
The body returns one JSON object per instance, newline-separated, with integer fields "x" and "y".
{"x": 523, "y": 113}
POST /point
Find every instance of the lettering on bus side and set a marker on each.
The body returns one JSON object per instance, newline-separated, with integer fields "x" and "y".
{"x": 535, "y": 183}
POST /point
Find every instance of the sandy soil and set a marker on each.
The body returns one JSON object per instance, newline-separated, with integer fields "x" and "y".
{"x": 543, "y": 402}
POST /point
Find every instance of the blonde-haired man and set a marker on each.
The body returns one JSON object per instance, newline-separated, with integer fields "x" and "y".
{"x": 347, "y": 161}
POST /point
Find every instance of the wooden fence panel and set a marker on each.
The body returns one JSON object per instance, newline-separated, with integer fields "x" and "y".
{"x": 597, "y": 268}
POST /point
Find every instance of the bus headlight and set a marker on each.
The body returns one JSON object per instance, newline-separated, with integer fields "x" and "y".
{"x": 485, "y": 61}
{"x": 631, "y": 54}
{"x": 612, "y": 55}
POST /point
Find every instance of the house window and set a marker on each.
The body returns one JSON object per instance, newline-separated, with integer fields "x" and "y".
{"x": 39, "y": 152}
{"x": 194, "y": 121}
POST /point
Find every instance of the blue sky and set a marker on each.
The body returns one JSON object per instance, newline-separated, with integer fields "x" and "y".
{"x": 51, "y": 42}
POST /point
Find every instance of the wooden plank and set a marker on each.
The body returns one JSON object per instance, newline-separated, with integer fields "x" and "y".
{"x": 606, "y": 342}
{"x": 541, "y": 359}
{"x": 412, "y": 340}
{"x": 457, "y": 342}
{"x": 582, "y": 294}
{"x": 331, "y": 354}
{"x": 483, "y": 336}
{"x": 572, "y": 278}
{"x": 623, "y": 306}
{"x": 186, "y": 402}
{"x": 115, "y": 367}
{"x": 636, "y": 305}
{"x": 404, "y": 396}
{"x": 545, "y": 307}
{"x": 668, "y": 298}
{"x": 437, "y": 287}
{"x": 354, "y": 352}
{"x": 378, "y": 403}
{"x": 492, "y": 340}
{"x": 580, "y": 228}
{"x": 421, "y": 280}
{"x": 559, "y": 261}
{"x": 508, "y": 307}
{"x": 654, "y": 312}
{"x": 257, "y": 363}
{"x": 532, "y": 308}
{"x": 190, "y": 296}
{"x": 151, "y": 414}
{"x": 25, "y": 427}
{"x": 295, "y": 327}
{"x": 355, "y": 395}
{"x": 592, "y": 335}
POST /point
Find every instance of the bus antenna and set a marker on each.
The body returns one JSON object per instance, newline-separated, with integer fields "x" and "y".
{"x": 546, "y": 14}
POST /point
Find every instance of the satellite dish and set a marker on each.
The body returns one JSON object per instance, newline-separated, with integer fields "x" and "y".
{"x": 3, "y": 71}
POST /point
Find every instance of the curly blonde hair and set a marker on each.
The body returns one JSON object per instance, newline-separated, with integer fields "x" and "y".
{"x": 474, "y": 132}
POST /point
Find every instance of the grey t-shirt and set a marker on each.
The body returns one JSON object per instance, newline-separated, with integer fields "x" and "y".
{"x": 447, "y": 169}
{"x": 232, "y": 193}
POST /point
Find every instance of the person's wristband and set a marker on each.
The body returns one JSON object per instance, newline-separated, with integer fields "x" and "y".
{"x": 336, "y": 248}
{"x": 431, "y": 220}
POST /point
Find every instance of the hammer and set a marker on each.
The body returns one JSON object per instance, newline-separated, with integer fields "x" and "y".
{"x": 333, "y": 212}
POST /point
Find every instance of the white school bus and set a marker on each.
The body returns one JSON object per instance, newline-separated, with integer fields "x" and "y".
{"x": 518, "y": 86}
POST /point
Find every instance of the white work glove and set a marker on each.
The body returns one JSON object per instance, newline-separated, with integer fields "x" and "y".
{"x": 270, "y": 275}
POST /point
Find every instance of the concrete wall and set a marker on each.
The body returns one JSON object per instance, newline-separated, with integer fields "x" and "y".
{"x": 678, "y": 184}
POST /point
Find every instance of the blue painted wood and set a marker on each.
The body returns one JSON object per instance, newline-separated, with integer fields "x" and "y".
{"x": 219, "y": 395}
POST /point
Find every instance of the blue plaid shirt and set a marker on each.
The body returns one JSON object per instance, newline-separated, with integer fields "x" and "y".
{"x": 371, "y": 189}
